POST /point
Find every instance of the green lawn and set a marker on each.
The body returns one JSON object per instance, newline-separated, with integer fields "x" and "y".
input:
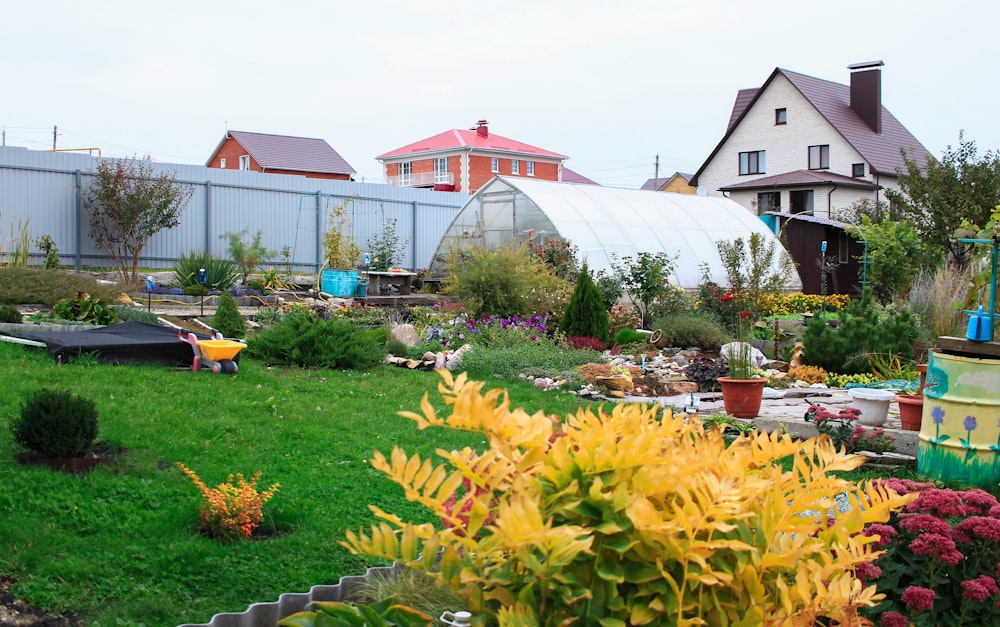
{"x": 121, "y": 546}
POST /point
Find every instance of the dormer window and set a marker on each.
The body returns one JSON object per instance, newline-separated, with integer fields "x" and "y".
{"x": 781, "y": 116}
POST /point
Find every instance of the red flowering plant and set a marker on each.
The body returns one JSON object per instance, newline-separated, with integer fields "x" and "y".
{"x": 843, "y": 429}
{"x": 941, "y": 559}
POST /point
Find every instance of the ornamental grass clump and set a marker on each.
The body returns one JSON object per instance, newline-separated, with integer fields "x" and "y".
{"x": 631, "y": 517}
{"x": 233, "y": 509}
{"x": 941, "y": 559}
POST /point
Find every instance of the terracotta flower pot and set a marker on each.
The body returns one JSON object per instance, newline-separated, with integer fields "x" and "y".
{"x": 911, "y": 410}
{"x": 741, "y": 397}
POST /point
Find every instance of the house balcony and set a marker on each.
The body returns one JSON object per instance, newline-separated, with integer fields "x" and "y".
{"x": 422, "y": 179}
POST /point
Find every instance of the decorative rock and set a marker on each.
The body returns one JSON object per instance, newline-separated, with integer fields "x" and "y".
{"x": 728, "y": 350}
{"x": 455, "y": 358}
{"x": 676, "y": 388}
{"x": 440, "y": 360}
{"x": 541, "y": 384}
{"x": 405, "y": 333}
{"x": 679, "y": 359}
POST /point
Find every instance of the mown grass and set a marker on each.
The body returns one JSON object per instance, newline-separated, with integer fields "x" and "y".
{"x": 121, "y": 545}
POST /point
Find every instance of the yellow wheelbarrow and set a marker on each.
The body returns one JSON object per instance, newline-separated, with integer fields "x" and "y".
{"x": 216, "y": 355}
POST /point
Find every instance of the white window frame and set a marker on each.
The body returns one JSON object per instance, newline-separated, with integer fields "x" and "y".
{"x": 495, "y": 165}
{"x": 222, "y": 163}
{"x": 515, "y": 166}
{"x": 819, "y": 157}
{"x": 441, "y": 170}
{"x": 531, "y": 168}
{"x": 244, "y": 162}
{"x": 405, "y": 171}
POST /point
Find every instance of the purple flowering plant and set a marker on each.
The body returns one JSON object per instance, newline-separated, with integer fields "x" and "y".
{"x": 941, "y": 559}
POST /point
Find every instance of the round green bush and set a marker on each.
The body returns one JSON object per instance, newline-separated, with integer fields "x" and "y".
{"x": 692, "y": 329}
{"x": 56, "y": 424}
{"x": 10, "y": 314}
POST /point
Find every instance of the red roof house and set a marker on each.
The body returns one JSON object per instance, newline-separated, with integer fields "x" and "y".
{"x": 280, "y": 154}
{"x": 464, "y": 160}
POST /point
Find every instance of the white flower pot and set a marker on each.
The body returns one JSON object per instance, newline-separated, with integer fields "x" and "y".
{"x": 873, "y": 404}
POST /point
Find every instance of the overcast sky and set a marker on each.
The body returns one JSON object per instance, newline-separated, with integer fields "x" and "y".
{"x": 612, "y": 84}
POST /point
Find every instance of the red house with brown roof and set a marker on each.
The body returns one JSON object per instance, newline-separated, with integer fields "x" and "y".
{"x": 280, "y": 154}
{"x": 464, "y": 160}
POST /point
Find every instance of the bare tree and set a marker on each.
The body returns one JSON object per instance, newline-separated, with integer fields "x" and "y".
{"x": 128, "y": 205}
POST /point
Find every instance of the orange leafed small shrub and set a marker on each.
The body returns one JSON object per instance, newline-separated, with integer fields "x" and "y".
{"x": 809, "y": 374}
{"x": 231, "y": 509}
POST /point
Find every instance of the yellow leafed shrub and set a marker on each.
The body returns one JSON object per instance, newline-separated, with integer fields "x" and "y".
{"x": 631, "y": 517}
{"x": 232, "y": 509}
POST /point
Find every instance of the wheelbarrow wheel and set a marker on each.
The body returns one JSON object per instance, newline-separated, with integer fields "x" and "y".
{"x": 229, "y": 366}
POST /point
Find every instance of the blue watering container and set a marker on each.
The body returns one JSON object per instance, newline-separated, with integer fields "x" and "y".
{"x": 339, "y": 283}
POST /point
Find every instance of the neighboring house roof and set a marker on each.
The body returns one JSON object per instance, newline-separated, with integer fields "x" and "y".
{"x": 569, "y": 176}
{"x": 282, "y": 152}
{"x": 833, "y": 102}
{"x": 657, "y": 184}
{"x": 799, "y": 178}
{"x": 458, "y": 139}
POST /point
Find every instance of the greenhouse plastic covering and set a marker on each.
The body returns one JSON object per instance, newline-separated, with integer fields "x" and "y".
{"x": 606, "y": 223}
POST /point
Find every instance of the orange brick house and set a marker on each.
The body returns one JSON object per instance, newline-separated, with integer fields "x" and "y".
{"x": 464, "y": 160}
{"x": 280, "y": 154}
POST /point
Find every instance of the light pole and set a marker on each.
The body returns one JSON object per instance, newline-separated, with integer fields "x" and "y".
{"x": 822, "y": 279}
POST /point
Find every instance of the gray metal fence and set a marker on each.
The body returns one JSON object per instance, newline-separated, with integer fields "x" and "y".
{"x": 39, "y": 191}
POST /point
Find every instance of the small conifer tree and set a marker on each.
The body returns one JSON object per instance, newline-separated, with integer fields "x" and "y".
{"x": 585, "y": 314}
{"x": 228, "y": 320}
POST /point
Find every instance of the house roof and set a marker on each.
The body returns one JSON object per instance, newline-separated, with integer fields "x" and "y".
{"x": 657, "y": 184}
{"x": 833, "y": 102}
{"x": 283, "y": 152}
{"x": 799, "y": 178}
{"x": 807, "y": 217}
{"x": 569, "y": 176}
{"x": 459, "y": 139}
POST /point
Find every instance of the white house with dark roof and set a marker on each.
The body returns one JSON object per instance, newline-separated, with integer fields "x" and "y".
{"x": 280, "y": 154}
{"x": 804, "y": 145}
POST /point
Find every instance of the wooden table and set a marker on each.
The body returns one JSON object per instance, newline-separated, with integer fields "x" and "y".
{"x": 387, "y": 283}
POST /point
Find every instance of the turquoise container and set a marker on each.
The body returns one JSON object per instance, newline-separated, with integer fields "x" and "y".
{"x": 339, "y": 283}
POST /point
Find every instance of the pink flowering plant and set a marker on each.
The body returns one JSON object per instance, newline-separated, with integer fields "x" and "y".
{"x": 941, "y": 559}
{"x": 843, "y": 429}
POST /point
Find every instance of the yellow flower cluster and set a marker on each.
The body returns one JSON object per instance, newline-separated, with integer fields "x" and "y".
{"x": 231, "y": 509}
{"x": 797, "y": 302}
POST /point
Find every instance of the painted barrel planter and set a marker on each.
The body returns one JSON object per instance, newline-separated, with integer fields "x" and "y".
{"x": 960, "y": 427}
{"x": 339, "y": 283}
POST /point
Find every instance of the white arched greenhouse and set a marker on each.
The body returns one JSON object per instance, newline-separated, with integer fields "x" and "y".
{"x": 606, "y": 221}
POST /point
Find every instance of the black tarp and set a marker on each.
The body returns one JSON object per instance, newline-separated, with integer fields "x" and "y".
{"x": 129, "y": 342}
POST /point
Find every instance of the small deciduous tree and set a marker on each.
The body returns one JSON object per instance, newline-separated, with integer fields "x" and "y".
{"x": 896, "y": 254}
{"x": 585, "y": 315}
{"x": 128, "y": 204}
{"x": 755, "y": 268}
{"x": 248, "y": 255}
{"x": 644, "y": 278}
{"x": 938, "y": 195}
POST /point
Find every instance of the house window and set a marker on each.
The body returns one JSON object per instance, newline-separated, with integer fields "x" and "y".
{"x": 495, "y": 165}
{"x": 819, "y": 157}
{"x": 858, "y": 170}
{"x": 406, "y": 174}
{"x": 245, "y": 162}
{"x": 222, "y": 163}
{"x": 781, "y": 116}
{"x": 801, "y": 201}
{"x": 441, "y": 170}
{"x": 531, "y": 168}
{"x": 752, "y": 162}
{"x": 768, "y": 201}
{"x": 515, "y": 166}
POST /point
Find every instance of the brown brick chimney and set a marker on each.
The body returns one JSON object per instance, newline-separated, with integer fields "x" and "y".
{"x": 866, "y": 92}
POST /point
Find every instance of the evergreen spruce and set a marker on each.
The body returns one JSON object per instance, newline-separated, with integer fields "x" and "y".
{"x": 228, "y": 320}
{"x": 585, "y": 314}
